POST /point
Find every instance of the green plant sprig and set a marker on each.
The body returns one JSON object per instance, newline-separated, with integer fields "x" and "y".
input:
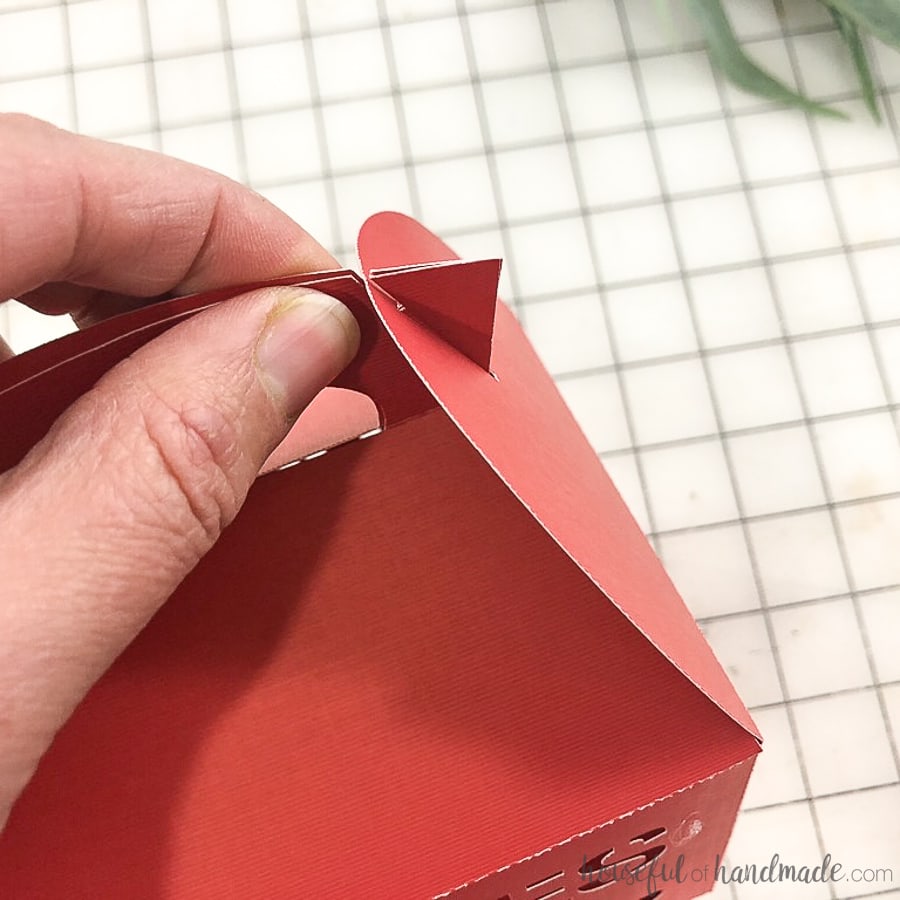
{"x": 855, "y": 19}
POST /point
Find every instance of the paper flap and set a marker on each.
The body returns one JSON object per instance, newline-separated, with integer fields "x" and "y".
{"x": 522, "y": 427}
{"x": 456, "y": 299}
{"x": 36, "y": 387}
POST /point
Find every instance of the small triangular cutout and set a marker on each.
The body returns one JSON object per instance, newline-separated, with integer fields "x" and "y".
{"x": 456, "y": 300}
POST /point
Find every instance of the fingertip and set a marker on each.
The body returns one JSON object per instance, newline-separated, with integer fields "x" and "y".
{"x": 308, "y": 339}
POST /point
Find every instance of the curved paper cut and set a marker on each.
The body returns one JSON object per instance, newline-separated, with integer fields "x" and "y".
{"x": 522, "y": 427}
{"x": 335, "y": 416}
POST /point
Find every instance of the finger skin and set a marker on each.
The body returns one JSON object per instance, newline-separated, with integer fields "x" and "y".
{"x": 87, "y": 305}
{"x": 110, "y": 219}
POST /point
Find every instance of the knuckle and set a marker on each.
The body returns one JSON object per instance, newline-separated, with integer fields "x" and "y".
{"x": 197, "y": 448}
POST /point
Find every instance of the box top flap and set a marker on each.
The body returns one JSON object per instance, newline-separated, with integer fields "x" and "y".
{"x": 516, "y": 419}
{"x": 37, "y": 386}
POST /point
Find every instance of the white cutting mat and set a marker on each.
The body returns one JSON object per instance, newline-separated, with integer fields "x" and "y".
{"x": 714, "y": 282}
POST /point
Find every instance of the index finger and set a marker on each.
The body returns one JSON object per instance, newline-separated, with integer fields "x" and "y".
{"x": 117, "y": 219}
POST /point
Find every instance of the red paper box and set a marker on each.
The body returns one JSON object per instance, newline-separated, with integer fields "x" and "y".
{"x": 441, "y": 661}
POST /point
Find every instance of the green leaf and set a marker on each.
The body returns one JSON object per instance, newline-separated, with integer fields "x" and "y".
{"x": 727, "y": 54}
{"x": 850, "y": 33}
{"x": 880, "y": 17}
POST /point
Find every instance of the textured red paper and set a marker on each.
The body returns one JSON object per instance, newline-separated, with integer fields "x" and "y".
{"x": 524, "y": 430}
{"x": 441, "y": 660}
{"x": 455, "y": 301}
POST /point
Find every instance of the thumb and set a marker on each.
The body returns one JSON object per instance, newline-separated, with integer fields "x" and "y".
{"x": 133, "y": 484}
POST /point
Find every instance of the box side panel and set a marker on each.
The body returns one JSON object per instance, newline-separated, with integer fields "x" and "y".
{"x": 384, "y": 681}
{"x": 668, "y": 849}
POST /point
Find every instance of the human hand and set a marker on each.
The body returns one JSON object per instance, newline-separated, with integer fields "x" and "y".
{"x": 135, "y": 482}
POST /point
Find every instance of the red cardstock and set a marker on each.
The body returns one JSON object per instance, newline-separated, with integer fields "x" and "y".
{"x": 439, "y": 660}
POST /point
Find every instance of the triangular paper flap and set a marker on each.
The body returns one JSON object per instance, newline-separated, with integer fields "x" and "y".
{"x": 523, "y": 429}
{"x": 457, "y": 300}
